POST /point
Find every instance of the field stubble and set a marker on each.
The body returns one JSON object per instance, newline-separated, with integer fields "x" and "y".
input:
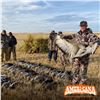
{"x": 27, "y": 91}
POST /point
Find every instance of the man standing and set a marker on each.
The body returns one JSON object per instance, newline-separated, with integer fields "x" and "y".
{"x": 12, "y": 45}
{"x": 53, "y": 50}
{"x": 84, "y": 37}
{"x": 4, "y": 46}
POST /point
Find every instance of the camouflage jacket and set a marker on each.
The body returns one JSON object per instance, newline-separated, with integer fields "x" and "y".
{"x": 86, "y": 38}
{"x": 4, "y": 41}
{"x": 52, "y": 45}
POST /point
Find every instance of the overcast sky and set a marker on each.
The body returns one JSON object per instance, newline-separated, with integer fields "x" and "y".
{"x": 47, "y": 15}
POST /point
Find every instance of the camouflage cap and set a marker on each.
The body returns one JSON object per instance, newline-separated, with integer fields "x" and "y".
{"x": 83, "y": 23}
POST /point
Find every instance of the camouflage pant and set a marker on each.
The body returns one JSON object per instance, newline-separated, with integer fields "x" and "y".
{"x": 13, "y": 51}
{"x": 80, "y": 69}
{"x": 4, "y": 54}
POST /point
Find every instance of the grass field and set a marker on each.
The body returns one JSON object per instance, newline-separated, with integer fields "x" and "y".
{"x": 27, "y": 92}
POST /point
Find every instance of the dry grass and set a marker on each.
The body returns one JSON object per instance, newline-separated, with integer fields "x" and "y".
{"x": 29, "y": 92}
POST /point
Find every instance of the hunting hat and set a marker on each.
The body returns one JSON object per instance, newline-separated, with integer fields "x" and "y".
{"x": 52, "y": 32}
{"x": 83, "y": 23}
{"x": 10, "y": 33}
{"x": 4, "y": 31}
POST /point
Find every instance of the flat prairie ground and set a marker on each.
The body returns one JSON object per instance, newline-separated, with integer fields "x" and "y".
{"x": 26, "y": 92}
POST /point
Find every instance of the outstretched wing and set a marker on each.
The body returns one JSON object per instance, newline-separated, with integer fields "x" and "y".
{"x": 89, "y": 50}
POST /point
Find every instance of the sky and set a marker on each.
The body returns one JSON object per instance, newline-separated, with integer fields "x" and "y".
{"x": 46, "y": 15}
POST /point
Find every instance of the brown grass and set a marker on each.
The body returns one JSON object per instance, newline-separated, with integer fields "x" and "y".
{"x": 25, "y": 91}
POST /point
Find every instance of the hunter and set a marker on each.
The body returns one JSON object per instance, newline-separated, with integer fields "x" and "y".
{"x": 12, "y": 46}
{"x": 84, "y": 38}
{"x": 4, "y": 46}
{"x": 53, "y": 49}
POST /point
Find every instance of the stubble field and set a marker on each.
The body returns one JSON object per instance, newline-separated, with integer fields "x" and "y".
{"x": 27, "y": 89}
